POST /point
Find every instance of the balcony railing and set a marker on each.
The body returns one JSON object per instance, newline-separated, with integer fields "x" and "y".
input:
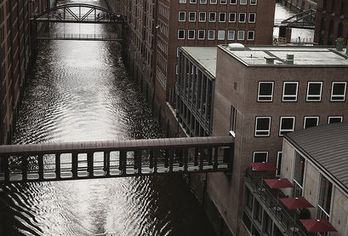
{"x": 286, "y": 221}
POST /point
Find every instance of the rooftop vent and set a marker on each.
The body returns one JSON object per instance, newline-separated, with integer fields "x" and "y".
{"x": 290, "y": 59}
{"x": 236, "y": 47}
{"x": 270, "y": 60}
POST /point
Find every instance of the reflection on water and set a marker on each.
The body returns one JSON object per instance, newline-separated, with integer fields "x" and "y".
{"x": 79, "y": 91}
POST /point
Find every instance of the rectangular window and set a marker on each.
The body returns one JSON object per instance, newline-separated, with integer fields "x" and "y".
{"x": 191, "y": 34}
{"x": 181, "y": 34}
{"x": 263, "y": 126}
{"x": 211, "y": 34}
{"x": 311, "y": 121}
{"x": 221, "y": 34}
{"x": 325, "y": 195}
{"x": 265, "y": 92}
{"x": 212, "y": 16}
{"x": 334, "y": 119}
{"x": 243, "y": 2}
{"x": 260, "y": 156}
{"x": 314, "y": 90}
{"x": 182, "y": 16}
{"x": 242, "y": 17}
{"x": 279, "y": 163}
{"x": 287, "y": 124}
{"x": 338, "y": 91}
{"x": 252, "y": 17}
{"x": 232, "y": 17}
{"x": 240, "y": 35}
{"x": 201, "y": 34}
{"x": 231, "y": 34}
{"x": 192, "y": 16}
{"x": 251, "y": 35}
{"x": 253, "y": 2}
{"x": 202, "y": 17}
{"x": 290, "y": 90}
{"x": 222, "y": 17}
{"x": 299, "y": 175}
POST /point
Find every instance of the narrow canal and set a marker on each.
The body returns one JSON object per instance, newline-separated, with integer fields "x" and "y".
{"x": 79, "y": 91}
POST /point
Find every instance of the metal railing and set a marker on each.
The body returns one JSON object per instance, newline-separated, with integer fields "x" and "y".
{"x": 47, "y": 162}
{"x": 287, "y": 221}
{"x": 92, "y": 37}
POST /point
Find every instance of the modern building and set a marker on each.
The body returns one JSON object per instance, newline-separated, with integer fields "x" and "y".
{"x": 157, "y": 28}
{"x": 194, "y": 89}
{"x": 258, "y": 95}
{"x": 15, "y": 54}
{"x": 315, "y": 160}
{"x": 331, "y": 21}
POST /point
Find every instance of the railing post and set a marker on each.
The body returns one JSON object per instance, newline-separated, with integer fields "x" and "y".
{"x": 24, "y": 167}
{"x": 57, "y": 159}
{"x": 151, "y": 160}
{"x": 216, "y": 159}
{"x": 107, "y": 163}
{"x": 185, "y": 159}
{"x": 154, "y": 158}
{"x": 41, "y": 166}
{"x": 123, "y": 162}
{"x": 201, "y": 157}
{"x": 166, "y": 157}
{"x": 74, "y": 168}
{"x": 171, "y": 157}
{"x": 196, "y": 157}
{"x": 90, "y": 164}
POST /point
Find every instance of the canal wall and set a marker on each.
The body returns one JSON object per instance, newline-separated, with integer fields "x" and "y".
{"x": 300, "y": 5}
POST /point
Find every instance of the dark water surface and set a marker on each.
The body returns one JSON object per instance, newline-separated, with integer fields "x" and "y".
{"x": 79, "y": 91}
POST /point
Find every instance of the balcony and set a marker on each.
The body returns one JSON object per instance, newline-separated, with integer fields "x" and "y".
{"x": 264, "y": 214}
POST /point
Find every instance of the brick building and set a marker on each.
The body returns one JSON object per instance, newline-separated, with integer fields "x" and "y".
{"x": 258, "y": 94}
{"x": 157, "y": 28}
{"x": 15, "y": 54}
{"x": 331, "y": 22}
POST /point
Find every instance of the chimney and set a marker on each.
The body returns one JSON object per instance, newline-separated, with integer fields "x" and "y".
{"x": 290, "y": 59}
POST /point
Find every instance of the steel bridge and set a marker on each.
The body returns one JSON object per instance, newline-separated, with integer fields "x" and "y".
{"x": 79, "y": 13}
{"x": 109, "y": 159}
{"x": 302, "y": 20}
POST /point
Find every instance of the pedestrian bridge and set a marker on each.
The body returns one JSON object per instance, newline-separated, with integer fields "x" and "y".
{"x": 109, "y": 159}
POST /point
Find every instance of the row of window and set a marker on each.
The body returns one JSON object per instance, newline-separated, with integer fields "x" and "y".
{"x": 214, "y": 17}
{"x": 217, "y": 34}
{"x": 233, "y": 2}
{"x": 290, "y": 91}
{"x": 287, "y": 124}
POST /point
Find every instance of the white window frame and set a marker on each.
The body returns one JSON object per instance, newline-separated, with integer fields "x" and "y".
{"x": 341, "y": 98}
{"x": 310, "y": 117}
{"x": 281, "y": 131}
{"x": 263, "y": 131}
{"x": 184, "y": 14}
{"x": 260, "y": 152}
{"x": 290, "y": 96}
{"x": 181, "y": 30}
{"x": 314, "y": 98}
{"x": 334, "y": 117}
{"x": 265, "y": 96}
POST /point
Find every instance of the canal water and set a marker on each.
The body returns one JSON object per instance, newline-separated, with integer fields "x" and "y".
{"x": 79, "y": 91}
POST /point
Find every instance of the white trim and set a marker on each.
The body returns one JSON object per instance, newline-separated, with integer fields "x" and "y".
{"x": 290, "y": 96}
{"x": 310, "y": 117}
{"x": 314, "y": 98}
{"x": 286, "y": 130}
{"x": 343, "y": 96}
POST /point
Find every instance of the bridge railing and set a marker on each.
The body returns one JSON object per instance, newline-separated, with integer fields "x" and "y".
{"x": 48, "y": 162}
{"x": 67, "y": 36}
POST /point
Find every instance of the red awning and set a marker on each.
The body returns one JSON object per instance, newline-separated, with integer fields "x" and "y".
{"x": 262, "y": 166}
{"x": 317, "y": 226}
{"x": 296, "y": 203}
{"x": 278, "y": 183}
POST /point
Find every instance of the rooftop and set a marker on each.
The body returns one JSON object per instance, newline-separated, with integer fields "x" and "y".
{"x": 205, "y": 56}
{"x": 306, "y": 56}
{"x": 327, "y": 147}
